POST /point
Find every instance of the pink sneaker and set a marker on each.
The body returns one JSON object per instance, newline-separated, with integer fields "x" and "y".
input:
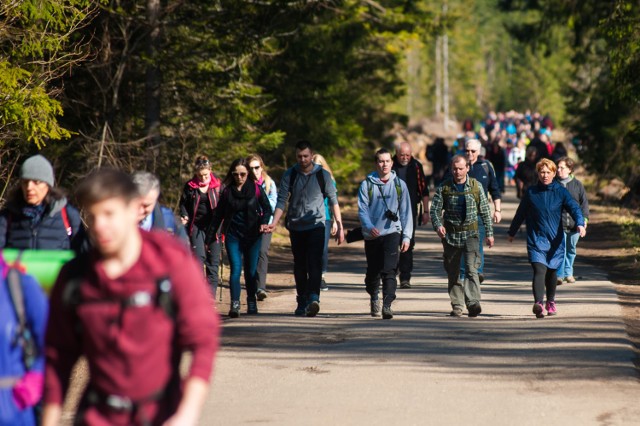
{"x": 551, "y": 308}
{"x": 538, "y": 310}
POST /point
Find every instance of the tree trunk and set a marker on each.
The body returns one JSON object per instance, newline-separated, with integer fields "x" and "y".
{"x": 152, "y": 83}
{"x": 438, "y": 76}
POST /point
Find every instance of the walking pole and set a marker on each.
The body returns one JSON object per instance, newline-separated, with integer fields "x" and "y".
{"x": 220, "y": 278}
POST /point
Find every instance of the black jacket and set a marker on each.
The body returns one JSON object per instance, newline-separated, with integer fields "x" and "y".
{"x": 416, "y": 182}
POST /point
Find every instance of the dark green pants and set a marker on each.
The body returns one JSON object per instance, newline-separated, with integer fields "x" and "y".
{"x": 465, "y": 292}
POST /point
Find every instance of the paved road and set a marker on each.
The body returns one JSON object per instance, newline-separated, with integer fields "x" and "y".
{"x": 424, "y": 367}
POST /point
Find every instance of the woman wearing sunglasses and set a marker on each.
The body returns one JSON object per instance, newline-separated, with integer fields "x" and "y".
{"x": 259, "y": 174}
{"x": 244, "y": 211}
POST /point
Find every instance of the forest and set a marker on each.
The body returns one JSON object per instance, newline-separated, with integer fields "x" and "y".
{"x": 150, "y": 84}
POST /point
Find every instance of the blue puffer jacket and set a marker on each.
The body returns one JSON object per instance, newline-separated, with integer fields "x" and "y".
{"x": 16, "y": 230}
{"x": 541, "y": 208}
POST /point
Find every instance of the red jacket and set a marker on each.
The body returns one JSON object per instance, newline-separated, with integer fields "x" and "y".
{"x": 131, "y": 351}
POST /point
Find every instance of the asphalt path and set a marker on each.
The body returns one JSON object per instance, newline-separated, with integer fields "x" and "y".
{"x": 423, "y": 367}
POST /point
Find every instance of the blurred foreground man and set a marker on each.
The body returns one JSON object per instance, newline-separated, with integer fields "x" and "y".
{"x": 132, "y": 307}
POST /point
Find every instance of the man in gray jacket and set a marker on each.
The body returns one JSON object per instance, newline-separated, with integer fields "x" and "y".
{"x": 384, "y": 209}
{"x": 305, "y": 186}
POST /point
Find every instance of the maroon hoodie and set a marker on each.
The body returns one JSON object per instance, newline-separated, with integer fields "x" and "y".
{"x": 133, "y": 351}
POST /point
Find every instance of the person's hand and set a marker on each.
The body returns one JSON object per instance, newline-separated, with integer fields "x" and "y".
{"x": 184, "y": 219}
{"x": 425, "y": 218}
{"x": 404, "y": 247}
{"x": 441, "y": 231}
{"x": 582, "y": 230}
{"x": 510, "y": 238}
{"x": 375, "y": 233}
{"x": 334, "y": 228}
{"x": 497, "y": 216}
{"x": 490, "y": 241}
{"x": 339, "y": 234}
{"x": 264, "y": 229}
{"x": 271, "y": 228}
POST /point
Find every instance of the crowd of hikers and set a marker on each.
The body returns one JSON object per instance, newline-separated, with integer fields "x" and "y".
{"x": 141, "y": 287}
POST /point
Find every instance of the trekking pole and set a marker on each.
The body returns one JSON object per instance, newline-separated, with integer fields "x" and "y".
{"x": 220, "y": 277}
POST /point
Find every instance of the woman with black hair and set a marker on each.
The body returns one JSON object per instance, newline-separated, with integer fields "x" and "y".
{"x": 244, "y": 211}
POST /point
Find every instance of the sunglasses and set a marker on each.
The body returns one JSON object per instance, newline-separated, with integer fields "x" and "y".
{"x": 255, "y": 168}
{"x": 236, "y": 174}
{"x": 202, "y": 163}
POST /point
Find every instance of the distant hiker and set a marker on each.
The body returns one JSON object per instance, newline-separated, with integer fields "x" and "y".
{"x": 438, "y": 154}
{"x": 330, "y": 226}
{"x": 153, "y": 215}
{"x": 37, "y": 215}
{"x": 305, "y": 186}
{"x": 23, "y": 315}
{"x": 259, "y": 173}
{"x": 526, "y": 174}
{"x": 410, "y": 171}
{"x": 199, "y": 199}
{"x": 541, "y": 207}
{"x": 244, "y": 212}
{"x": 456, "y": 208}
{"x": 384, "y": 209}
{"x": 131, "y": 307}
{"x": 571, "y": 233}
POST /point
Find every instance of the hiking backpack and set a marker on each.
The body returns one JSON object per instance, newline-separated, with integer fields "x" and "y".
{"x": 24, "y": 336}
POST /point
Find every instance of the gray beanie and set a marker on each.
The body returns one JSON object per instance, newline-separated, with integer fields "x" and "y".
{"x": 37, "y": 168}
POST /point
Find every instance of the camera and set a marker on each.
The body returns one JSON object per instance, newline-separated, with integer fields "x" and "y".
{"x": 391, "y": 215}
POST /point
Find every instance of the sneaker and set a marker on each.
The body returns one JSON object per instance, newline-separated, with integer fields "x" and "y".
{"x": 480, "y": 278}
{"x": 387, "y": 313}
{"x": 375, "y": 308}
{"x": 261, "y": 295}
{"x": 323, "y": 285}
{"x": 456, "y": 312}
{"x": 474, "y": 310}
{"x": 405, "y": 284}
{"x": 234, "y": 311}
{"x": 538, "y": 310}
{"x": 560, "y": 281}
{"x": 302, "y": 306}
{"x": 312, "y": 308}
{"x": 252, "y": 307}
{"x": 570, "y": 279}
{"x": 551, "y": 308}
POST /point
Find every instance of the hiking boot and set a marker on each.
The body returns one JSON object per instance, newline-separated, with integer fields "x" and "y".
{"x": 550, "y": 306}
{"x": 375, "y": 308}
{"x": 570, "y": 279}
{"x": 234, "y": 310}
{"x": 456, "y": 312}
{"x": 313, "y": 307}
{"x": 538, "y": 310}
{"x": 474, "y": 310}
{"x": 323, "y": 285}
{"x": 387, "y": 313}
{"x": 480, "y": 278}
{"x": 405, "y": 284}
{"x": 302, "y": 306}
{"x": 261, "y": 295}
{"x": 252, "y": 307}
{"x": 559, "y": 281}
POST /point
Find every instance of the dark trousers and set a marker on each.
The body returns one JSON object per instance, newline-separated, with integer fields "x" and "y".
{"x": 209, "y": 256}
{"x": 544, "y": 278}
{"x": 382, "y": 263}
{"x": 405, "y": 264}
{"x": 307, "y": 247}
{"x": 263, "y": 261}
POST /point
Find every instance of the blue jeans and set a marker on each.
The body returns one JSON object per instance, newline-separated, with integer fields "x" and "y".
{"x": 482, "y": 234}
{"x": 570, "y": 243}
{"x": 247, "y": 250}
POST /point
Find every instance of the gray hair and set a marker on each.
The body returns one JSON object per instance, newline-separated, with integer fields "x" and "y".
{"x": 146, "y": 182}
{"x": 475, "y": 142}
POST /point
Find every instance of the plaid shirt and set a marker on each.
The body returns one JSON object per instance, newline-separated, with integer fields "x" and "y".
{"x": 453, "y": 220}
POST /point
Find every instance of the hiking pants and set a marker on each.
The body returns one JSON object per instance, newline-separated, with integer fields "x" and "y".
{"x": 462, "y": 292}
{"x": 479, "y": 266}
{"x": 307, "y": 247}
{"x": 544, "y": 278}
{"x": 209, "y": 256}
{"x": 382, "y": 265}
{"x": 405, "y": 264}
{"x": 263, "y": 261}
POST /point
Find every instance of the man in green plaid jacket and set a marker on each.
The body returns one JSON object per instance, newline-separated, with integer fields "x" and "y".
{"x": 454, "y": 215}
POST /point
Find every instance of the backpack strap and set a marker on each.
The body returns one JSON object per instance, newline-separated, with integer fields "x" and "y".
{"x": 65, "y": 220}
{"x": 396, "y": 181}
{"x": 24, "y": 337}
{"x": 319, "y": 177}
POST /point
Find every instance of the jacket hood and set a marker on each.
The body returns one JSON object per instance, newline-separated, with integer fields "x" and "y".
{"x": 195, "y": 182}
{"x": 374, "y": 178}
{"x": 56, "y": 206}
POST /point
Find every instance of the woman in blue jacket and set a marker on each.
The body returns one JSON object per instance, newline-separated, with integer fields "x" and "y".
{"x": 21, "y": 377}
{"x": 541, "y": 208}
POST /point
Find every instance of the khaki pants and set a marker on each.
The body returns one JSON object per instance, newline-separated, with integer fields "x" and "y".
{"x": 466, "y": 292}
